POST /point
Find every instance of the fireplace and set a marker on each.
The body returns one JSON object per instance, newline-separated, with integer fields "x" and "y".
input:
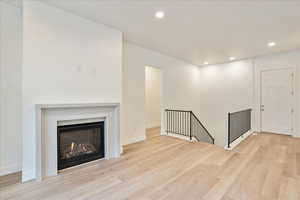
{"x": 79, "y": 143}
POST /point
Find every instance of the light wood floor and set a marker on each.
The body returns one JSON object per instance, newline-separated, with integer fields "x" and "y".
{"x": 10, "y": 179}
{"x": 264, "y": 166}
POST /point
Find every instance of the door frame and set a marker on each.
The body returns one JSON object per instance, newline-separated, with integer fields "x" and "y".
{"x": 161, "y": 97}
{"x": 266, "y": 69}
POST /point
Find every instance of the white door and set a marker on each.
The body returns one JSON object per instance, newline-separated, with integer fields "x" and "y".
{"x": 277, "y": 101}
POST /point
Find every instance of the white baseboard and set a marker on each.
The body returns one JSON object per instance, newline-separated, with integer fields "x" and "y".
{"x": 121, "y": 150}
{"x": 153, "y": 128}
{"x": 9, "y": 169}
{"x": 239, "y": 140}
{"x": 177, "y": 136}
{"x": 28, "y": 175}
{"x": 135, "y": 140}
{"x": 153, "y": 125}
{"x": 162, "y": 132}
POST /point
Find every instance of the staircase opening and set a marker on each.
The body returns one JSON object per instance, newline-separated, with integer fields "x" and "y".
{"x": 185, "y": 123}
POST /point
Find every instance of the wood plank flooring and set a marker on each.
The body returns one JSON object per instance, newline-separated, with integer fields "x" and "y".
{"x": 264, "y": 167}
{"x": 10, "y": 179}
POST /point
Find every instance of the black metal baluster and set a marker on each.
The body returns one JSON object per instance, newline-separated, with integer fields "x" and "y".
{"x": 171, "y": 115}
{"x": 190, "y": 125}
{"x": 185, "y": 123}
{"x": 168, "y": 125}
{"x": 177, "y": 122}
{"x": 173, "y": 124}
{"x": 228, "y": 130}
{"x": 181, "y": 123}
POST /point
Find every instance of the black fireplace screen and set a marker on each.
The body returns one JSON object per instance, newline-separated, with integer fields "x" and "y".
{"x": 80, "y": 143}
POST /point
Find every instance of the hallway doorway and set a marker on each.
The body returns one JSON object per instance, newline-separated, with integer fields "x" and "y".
{"x": 153, "y": 97}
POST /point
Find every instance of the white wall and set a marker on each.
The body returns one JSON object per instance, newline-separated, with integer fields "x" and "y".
{"x": 180, "y": 83}
{"x": 65, "y": 59}
{"x": 71, "y": 59}
{"x": 153, "y": 91}
{"x": 224, "y": 88}
{"x": 10, "y": 88}
{"x": 235, "y": 86}
{"x": 283, "y": 60}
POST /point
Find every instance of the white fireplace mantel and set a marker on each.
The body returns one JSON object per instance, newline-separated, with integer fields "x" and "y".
{"x": 49, "y": 115}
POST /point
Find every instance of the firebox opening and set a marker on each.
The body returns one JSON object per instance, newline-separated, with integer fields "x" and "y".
{"x": 79, "y": 143}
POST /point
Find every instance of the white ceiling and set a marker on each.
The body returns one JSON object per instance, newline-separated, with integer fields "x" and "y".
{"x": 198, "y": 31}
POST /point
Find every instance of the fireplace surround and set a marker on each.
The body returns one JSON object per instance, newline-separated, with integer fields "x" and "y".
{"x": 79, "y": 143}
{"x": 50, "y": 116}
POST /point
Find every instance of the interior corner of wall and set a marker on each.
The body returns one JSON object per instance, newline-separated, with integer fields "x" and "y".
{"x": 135, "y": 140}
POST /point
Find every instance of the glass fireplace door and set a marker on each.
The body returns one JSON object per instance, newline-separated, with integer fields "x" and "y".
{"x": 79, "y": 143}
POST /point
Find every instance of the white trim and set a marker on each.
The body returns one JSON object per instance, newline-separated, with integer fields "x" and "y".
{"x": 26, "y": 175}
{"x": 153, "y": 124}
{"x": 177, "y": 136}
{"x": 1, "y": 95}
{"x": 79, "y": 121}
{"x": 162, "y": 111}
{"x": 239, "y": 140}
{"x": 75, "y": 105}
{"x": 107, "y": 111}
{"x": 162, "y": 103}
{"x": 135, "y": 140}
{"x": 259, "y": 90}
{"x": 9, "y": 169}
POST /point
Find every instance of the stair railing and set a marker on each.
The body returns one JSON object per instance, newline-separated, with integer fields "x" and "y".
{"x": 239, "y": 123}
{"x": 185, "y": 123}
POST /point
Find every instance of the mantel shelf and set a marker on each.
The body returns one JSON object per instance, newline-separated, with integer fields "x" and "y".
{"x": 75, "y": 105}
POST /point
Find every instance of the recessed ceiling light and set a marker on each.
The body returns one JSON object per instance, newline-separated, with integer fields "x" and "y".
{"x": 271, "y": 44}
{"x": 205, "y": 63}
{"x": 159, "y": 14}
{"x": 232, "y": 58}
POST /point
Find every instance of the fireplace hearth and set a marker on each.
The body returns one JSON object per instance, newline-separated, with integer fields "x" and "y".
{"x": 79, "y": 143}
